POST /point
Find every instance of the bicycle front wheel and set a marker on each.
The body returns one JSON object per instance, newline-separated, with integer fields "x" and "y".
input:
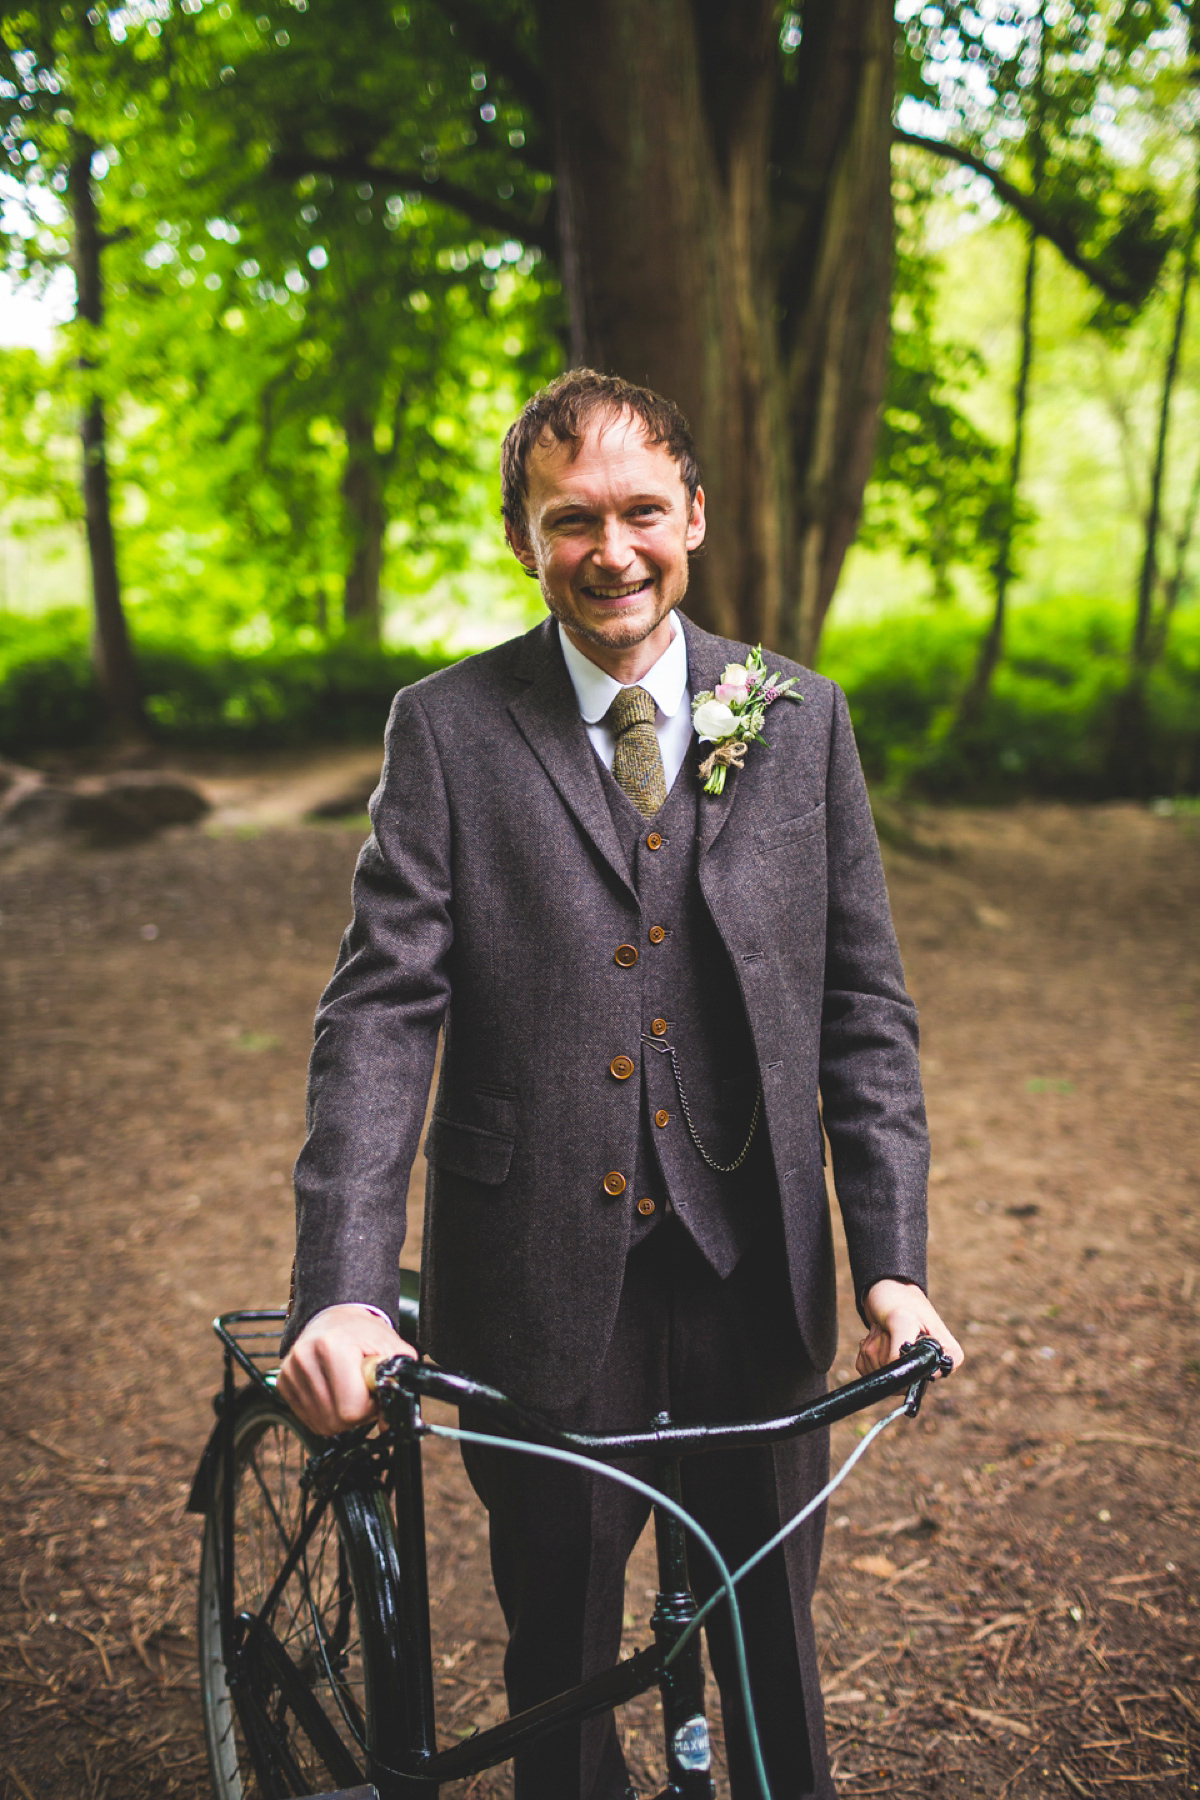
{"x": 307, "y": 1700}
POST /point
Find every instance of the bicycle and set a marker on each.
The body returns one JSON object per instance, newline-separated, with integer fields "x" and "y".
{"x": 315, "y": 1654}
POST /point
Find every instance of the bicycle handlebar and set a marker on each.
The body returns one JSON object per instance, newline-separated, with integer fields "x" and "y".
{"x": 399, "y": 1383}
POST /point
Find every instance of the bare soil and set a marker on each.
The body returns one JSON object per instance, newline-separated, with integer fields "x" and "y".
{"x": 1009, "y": 1601}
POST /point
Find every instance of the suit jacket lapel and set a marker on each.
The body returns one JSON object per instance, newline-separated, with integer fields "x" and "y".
{"x": 707, "y": 656}
{"x": 547, "y": 716}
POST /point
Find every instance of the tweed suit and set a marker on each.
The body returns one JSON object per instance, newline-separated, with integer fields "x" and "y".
{"x": 490, "y": 897}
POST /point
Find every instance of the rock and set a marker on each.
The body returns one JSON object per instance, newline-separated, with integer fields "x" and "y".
{"x": 123, "y": 808}
{"x": 349, "y": 803}
{"x": 112, "y": 809}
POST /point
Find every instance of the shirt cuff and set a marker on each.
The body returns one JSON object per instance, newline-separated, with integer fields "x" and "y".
{"x": 359, "y": 1305}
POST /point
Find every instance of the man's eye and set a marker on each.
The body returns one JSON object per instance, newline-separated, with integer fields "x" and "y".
{"x": 646, "y": 512}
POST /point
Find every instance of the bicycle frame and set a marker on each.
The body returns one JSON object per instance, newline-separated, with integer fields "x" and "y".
{"x": 401, "y": 1384}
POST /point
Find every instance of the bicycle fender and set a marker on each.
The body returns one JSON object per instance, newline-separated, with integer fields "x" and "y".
{"x": 202, "y": 1481}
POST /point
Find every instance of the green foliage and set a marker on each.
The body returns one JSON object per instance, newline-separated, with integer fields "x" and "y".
{"x": 1047, "y": 728}
{"x": 939, "y": 488}
{"x": 48, "y": 698}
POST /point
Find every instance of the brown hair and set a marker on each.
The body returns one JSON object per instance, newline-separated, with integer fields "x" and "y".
{"x": 562, "y": 409}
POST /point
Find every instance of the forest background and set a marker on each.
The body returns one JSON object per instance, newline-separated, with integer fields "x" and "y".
{"x": 279, "y": 275}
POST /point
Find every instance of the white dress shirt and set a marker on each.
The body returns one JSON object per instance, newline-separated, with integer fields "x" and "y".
{"x": 666, "y": 683}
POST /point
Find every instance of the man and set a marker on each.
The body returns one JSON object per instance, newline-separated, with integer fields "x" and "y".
{"x": 645, "y": 989}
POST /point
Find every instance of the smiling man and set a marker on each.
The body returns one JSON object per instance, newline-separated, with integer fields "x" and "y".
{"x": 652, "y": 997}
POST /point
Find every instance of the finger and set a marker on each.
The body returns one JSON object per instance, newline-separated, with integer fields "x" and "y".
{"x": 351, "y": 1403}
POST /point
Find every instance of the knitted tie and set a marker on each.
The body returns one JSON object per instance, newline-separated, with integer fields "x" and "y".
{"x": 637, "y": 764}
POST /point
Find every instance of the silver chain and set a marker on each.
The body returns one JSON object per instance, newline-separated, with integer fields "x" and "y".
{"x": 716, "y": 1167}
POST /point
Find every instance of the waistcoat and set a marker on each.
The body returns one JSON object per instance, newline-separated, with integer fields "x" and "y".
{"x": 687, "y": 984}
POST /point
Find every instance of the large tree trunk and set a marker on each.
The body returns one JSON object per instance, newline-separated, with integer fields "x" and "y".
{"x": 366, "y": 524}
{"x": 726, "y": 238}
{"x": 112, "y": 652}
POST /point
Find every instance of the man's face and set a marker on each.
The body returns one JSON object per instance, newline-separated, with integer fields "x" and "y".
{"x": 609, "y": 531}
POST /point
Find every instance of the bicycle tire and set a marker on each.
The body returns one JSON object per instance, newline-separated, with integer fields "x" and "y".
{"x": 330, "y": 1621}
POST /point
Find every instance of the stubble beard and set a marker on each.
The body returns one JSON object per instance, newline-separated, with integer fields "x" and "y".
{"x": 605, "y": 637}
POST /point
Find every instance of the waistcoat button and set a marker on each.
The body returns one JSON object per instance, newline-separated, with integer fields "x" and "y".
{"x": 625, "y": 955}
{"x": 621, "y": 1067}
{"x": 662, "y": 1117}
{"x": 654, "y": 841}
{"x": 614, "y": 1182}
{"x": 645, "y": 1207}
{"x": 657, "y": 934}
{"x": 659, "y": 1027}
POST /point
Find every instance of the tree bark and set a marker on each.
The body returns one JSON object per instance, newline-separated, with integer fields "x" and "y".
{"x": 725, "y": 238}
{"x": 366, "y": 524}
{"x": 112, "y": 651}
{"x": 1143, "y": 633}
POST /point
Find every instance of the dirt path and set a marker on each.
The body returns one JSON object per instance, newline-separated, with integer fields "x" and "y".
{"x": 1009, "y": 1600}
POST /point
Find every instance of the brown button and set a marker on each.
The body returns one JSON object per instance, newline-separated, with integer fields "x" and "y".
{"x": 625, "y": 955}
{"x": 659, "y": 1027}
{"x": 614, "y": 1182}
{"x": 662, "y": 1117}
{"x": 621, "y": 1067}
{"x": 654, "y": 841}
{"x": 645, "y": 1207}
{"x": 657, "y": 934}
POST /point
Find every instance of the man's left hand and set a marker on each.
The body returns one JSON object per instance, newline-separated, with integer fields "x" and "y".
{"x": 899, "y": 1313}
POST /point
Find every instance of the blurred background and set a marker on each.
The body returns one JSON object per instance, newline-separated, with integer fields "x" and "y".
{"x": 277, "y": 276}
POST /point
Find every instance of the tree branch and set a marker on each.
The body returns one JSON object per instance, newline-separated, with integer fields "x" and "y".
{"x": 1031, "y": 210}
{"x": 477, "y": 207}
{"x": 486, "y": 34}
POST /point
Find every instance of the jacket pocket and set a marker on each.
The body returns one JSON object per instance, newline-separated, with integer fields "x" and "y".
{"x": 789, "y": 831}
{"x": 469, "y": 1151}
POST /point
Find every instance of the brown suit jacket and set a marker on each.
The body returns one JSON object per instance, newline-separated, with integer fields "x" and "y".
{"x": 490, "y": 898}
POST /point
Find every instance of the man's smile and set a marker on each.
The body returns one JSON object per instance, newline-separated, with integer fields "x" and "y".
{"x": 617, "y": 591}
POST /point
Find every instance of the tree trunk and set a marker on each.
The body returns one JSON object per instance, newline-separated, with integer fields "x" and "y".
{"x": 112, "y": 652}
{"x": 972, "y": 703}
{"x": 1143, "y": 634}
{"x": 725, "y": 238}
{"x": 366, "y": 523}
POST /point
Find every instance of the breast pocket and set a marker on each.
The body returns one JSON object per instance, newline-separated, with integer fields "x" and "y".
{"x": 781, "y": 834}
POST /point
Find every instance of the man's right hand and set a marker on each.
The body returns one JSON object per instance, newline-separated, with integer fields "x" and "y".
{"x": 322, "y": 1374}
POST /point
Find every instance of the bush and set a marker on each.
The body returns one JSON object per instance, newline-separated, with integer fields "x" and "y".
{"x": 340, "y": 693}
{"x": 1057, "y": 722}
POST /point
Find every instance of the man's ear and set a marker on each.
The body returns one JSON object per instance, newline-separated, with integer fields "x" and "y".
{"x": 521, "y": 548}
{"x": 697, "y": 524}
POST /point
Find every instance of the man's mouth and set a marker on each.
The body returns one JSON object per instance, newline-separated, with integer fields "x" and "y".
{"x": 617, "y": 591}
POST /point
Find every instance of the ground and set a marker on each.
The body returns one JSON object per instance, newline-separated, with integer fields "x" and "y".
{"x": 1009, "y": 1600}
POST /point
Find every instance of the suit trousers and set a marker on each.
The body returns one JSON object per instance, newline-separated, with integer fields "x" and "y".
{"x": 704, "y": 1349}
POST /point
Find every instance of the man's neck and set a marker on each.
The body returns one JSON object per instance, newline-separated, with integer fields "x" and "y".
{"x": 628, "y": 663}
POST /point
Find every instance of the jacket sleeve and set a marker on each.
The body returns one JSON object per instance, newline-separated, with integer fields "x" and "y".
{"x": 872, "y": 1104}
{"x": 376, "y": 1038}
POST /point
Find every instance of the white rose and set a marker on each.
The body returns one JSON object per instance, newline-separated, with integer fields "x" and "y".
{"x": 736, "y": 675}
{"x": 714, "y": 720}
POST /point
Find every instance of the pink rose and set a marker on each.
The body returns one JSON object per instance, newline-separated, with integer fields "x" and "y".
{"x": 729, "y": 691}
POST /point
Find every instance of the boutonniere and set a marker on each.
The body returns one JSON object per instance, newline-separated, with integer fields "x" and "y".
{"x": 731, "y": 717}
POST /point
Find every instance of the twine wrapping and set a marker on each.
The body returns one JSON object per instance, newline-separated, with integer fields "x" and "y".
{"x": 730, "y": 755}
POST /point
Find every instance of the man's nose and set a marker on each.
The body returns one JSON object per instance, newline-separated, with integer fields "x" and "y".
{"x": 613, "y": 551}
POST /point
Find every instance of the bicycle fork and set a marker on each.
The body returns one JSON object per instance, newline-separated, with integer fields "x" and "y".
{"x": 681, "y": 1683}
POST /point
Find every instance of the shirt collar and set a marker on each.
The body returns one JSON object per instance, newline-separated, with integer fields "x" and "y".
{"x": 595, "y": 690}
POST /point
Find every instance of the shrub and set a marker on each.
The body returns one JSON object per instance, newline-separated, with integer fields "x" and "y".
{"x": 1053, "y": 721}
{"x": 339, "y": 693}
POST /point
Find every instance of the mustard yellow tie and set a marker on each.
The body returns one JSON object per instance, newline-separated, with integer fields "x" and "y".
{"x": 637, "y": 764}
